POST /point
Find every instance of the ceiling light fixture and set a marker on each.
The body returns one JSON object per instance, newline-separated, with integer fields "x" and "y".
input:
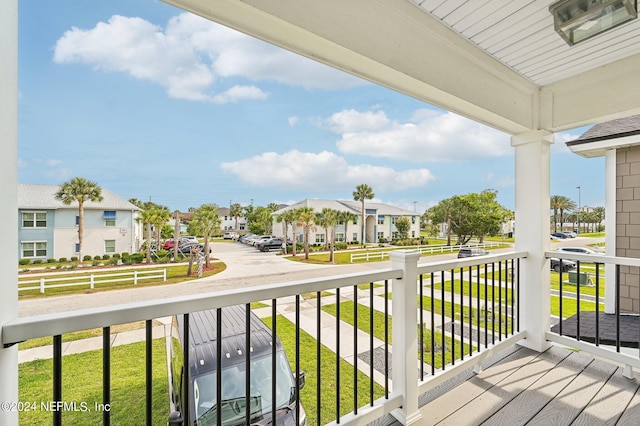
{"x": 579, "y": 20}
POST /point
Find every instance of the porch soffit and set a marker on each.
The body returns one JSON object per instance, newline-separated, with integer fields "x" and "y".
{"x": 496, "y": 63}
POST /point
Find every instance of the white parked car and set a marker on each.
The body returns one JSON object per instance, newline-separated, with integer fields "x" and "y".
{"x": 579, "y": 250}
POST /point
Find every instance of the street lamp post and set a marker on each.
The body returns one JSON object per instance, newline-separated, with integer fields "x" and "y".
{"x": 579, "y": 208}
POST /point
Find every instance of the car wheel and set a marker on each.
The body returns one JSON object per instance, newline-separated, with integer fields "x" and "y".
{"x": 557, "y": 268}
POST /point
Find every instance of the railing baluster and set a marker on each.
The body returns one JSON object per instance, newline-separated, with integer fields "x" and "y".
{"x": 274, "y": 345}
{"x": 355, "y": 349}
{"x": 442, "y": 317}
{"x": 478, "y": 305}
{"x": 453, "y": 319}
{"x": 421, "y": 348}
{"x": 462, "y": 313}
{"x": 149, "y": 371}
{"x": 512, "y": 297}
{"x": 106, "y": 374}
{"x": 597, "y": 304}
{"x": 338, "y": 355}
{"x": 470, "y": 311}
{"x": 433, "y": 329}
{"x": 486, "y": 305}
{"x": 185, "y": 407}
{"x": 318, "y": 358}
{"x": 617, "y": 308}
{"x": 493, "y": 303}
{"x": 247, "y": 363}
{"x": 518, "y": 294}
{"x": 560, "y": 298}
{"x": 371, "y": 381}
{"x": 386, "y": 339}
{"x": 297, "y": 360}
{"x": 57, "y": 377}
{"x": 499, "y": 300}
{"x": 219, "y": 366}
{"x": 578, "y": 302}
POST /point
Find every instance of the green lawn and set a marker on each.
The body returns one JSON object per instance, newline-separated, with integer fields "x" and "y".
{"x": 82, "y": 383}
{"x": 329, "y": 386}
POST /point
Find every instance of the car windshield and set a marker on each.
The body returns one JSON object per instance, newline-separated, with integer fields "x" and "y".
{"x": 233, "y": 406}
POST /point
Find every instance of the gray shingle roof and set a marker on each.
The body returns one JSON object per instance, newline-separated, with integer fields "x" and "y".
{"x": 43, "y": 197}
{"x": 610, "y": 130}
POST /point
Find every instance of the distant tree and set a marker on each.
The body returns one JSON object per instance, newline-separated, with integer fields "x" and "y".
{"x": 441, "y": 213}
{"x": 207, "y": 221}
{"x": 321, "y": 222}
{"x": 346, "y": 217}
{"x": 363, "y": 192}
{"x": 176, "y": 234}
{"x": 599, "y": 213}
{"x": 555, "y": 201}
{"x": 403, "y": 225}
{"x": 235, "y": 211}
{"x": 147, "y": 218}
{"x": 286, "y": 218}
{"x": 273, "y": 207}
{"x": 79, "y": 190}
{"x": 330, "y": 221}
{"x": 306, "y": 218}
{"x": 564, "y": 204}
{"x": 295, "y": 217}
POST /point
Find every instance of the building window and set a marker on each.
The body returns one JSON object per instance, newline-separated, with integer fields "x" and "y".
{"x": 77, "y": 248}
{"x": 34, "y": 220}
{"x": 413, "y": 220}
{"x": 394, "y": 235}
{"x": 319, "y": 238}
{"x": 380, "y": 235}
{"x": 339, "y": 237}
{"x": 77, "y": 220}
{"x": 34, "y": 249}
{"x": 355, "y": 220}
{"x": 109, "y": 218}
{"x": 381, "y": 220}
{"x": 109, "y": 246}
{"x": 413, "y": 234}
{"x": 355, "y": 237}
{"x": 393, "y": 220}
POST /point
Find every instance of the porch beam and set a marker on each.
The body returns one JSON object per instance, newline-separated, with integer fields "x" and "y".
{"x": 532, "y": 174}
{"x": 9, "y": 196}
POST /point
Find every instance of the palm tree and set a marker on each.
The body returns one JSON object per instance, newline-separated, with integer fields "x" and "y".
{"x": 346, "y": 217}
{"x": 206, "y": 220}
{"x": 556, "y": 201}
{"x": 599, "y": 213}
{"x": 80, "y": 190}
{"x": 176, "y": 234}
{"x": 235, "y": 211}
{"x": 147, "y": 218}
{"x": 363, "y": 192}
{"x": 330, "y": 221}
{"x": 306, "y": 217}
{"x": 321, "y": 222}
{"x": 160, "y": 216}
{"x": 295, "y": 217}
{"x": 287, "y": 217}
{"x": 564, "y": 204}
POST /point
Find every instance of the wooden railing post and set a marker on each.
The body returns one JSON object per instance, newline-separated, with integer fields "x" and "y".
{"x": 405, "y": 336}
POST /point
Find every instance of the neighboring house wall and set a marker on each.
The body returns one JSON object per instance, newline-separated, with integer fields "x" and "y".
{"x": 628, "y": 224}
{"x": 48, "y": 229}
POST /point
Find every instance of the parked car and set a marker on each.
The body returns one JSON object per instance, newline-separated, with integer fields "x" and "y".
{"x": 561, "y": 235}
{"x": 244, "y": 238}
{"x": 579, "y": 250}
{"x": 471, "y": 252}
{"x": 230, "y": 235}
{"x": 272, "y": 243}
{"x": 567, "y": 265}
{"x": 186, "y": 247}
{"x": 168, "y": 245}
{"x": 260, "y": 238}
{"x": 203, "y": 374}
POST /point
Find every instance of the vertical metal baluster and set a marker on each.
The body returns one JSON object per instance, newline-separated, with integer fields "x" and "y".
{"x": 470, "y": 311}
{"x": 512, "y": 274}
{"x": 443, "y": 336}
{"x": 338, "y": 355}
{"x": 219, "y": 366}
{"x": 297, "y": 359}
{"x": 247, "y": 363}
{"x": 57, "y": 377}
{"x": 518, "y": 294}
{"x": 186, "y": 371}
{"x": 106, "y": 374}
{"x": 386, "y": 339}
{"x": 371, "y": 381}
{"x": 421, "y": 348}
{"x": 617, "y": 308}
{"x": 578, "y": 302}
{"x": 560, "y": 288}
{"x": 499, "y": 300}
{"x": 149, "y": 370}
{"x": 318, "y": 359}
{"x": 273, "y": 359}
{"x": 355, "y": 349}
{"x": 461, "y": 313}
{"x": 453, "y": 318}
{"x": 493, "y": 303}
{"x": 433, "y": 329}
{"x": 486, "y": 305}
{"x": 597, "y": 304}
{"x": 478, "y": 305}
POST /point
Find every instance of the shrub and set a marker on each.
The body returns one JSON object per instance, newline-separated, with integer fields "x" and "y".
{"x": 97, "y": 257}
{"x": 95, "y": 263}
{"x": 116, "y": 255}
{"x": 162, "y": 253}
{"x": 137, "y": 257}
{"x": 86, "y": 257}
{"x": 106, "y": 257}
{"x": 37, "y": 261}
{"x": 64, "y": 259}
{"x": 74, "y": 258}
{"x": 341, "y": 246}
{"x": 51, "y": 261}
{"x": 114, "y": 261}
{"x": 24, "y": 262}
{"x": 125, "y": 255}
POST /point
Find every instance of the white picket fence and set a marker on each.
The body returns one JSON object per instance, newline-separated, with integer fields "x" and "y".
{"x": 440, "y": 249}
{"x": 91, "y": 279}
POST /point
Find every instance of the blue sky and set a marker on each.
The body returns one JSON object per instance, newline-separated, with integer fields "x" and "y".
{"x": 130, "y": 93}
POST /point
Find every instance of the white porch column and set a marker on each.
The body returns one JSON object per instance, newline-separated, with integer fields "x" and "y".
{"x": 405, "y": 338}
{"x": 611, "y": 208}
{"x": 532, "y": 233}
{"x": 9, "y": 198}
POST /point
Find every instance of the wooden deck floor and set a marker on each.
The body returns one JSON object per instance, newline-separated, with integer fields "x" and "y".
{"x": 557, "y": 387}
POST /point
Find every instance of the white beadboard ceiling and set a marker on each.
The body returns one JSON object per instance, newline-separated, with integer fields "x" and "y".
{"x": 520, "y": 34}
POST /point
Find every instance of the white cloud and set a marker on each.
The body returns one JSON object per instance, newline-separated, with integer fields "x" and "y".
{"x": 237, "y": 93}
{"x": 292, "y": 121}
{"x": 191, "y": 57}
{"x": 429, "y": 136}
{"x": 321, "y": 171}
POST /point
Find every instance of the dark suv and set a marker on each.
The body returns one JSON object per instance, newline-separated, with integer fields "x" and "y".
{"x": 471, "y": 252}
